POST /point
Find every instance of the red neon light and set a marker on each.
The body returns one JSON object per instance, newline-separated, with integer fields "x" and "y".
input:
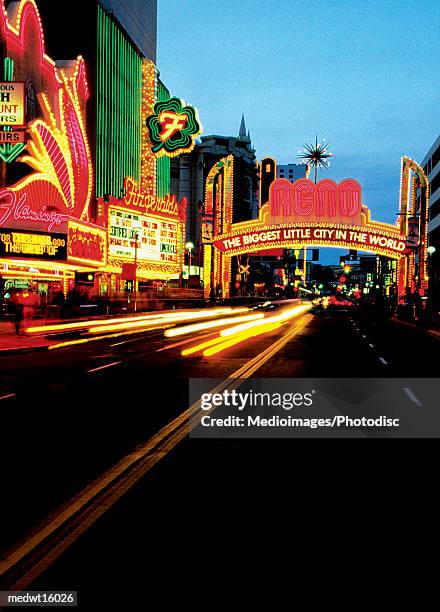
{"x": 86, "y": 245}
{"x": 349, "y": 198}
{"x": 135, "y": 197}
{"x": 304, "y": 197}
{"x": 58, "y": 151}
{"x": 366, "y": 239}
{"x": 171, "y": 124}
{"x": 305, "y": 201}
{"x": 280, "y": 198}
{"x": 17, "y": 208}
{"x": 327, "y": 198}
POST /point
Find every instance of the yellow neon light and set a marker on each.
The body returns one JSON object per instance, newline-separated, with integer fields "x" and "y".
{"x": 171, "y": 124}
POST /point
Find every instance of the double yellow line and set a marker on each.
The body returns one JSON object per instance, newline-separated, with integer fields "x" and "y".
{"x": 23, "y": 564}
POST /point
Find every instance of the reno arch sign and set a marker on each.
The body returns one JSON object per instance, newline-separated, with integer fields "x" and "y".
{"x": 326, "y": 201}
{"x": 368, "y": 240}
{"x": 304, "y": 214}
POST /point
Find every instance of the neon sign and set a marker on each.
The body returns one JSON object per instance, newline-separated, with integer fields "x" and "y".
{"x": 136, "y": 198}
{"x": 173, "y": 128}
{"x": 33, "y": 245}
{"x": 171, "y": 124}
{"x": 157, "y": 239}
{"x": 86, "y": 245}
{"x": 57, "y": 151}
{"x": 12, "y": 105}
{"x": 291, "y": 235}
{"x": 17, "y": 209}
{"x": 296, "y": 215}
{"x": 306, "y": 201}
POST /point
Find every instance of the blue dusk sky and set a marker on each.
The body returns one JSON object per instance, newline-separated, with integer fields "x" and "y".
{"x": 361, "y": 73}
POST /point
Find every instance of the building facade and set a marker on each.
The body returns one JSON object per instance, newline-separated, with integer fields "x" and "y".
{"x": 292, "y": 172}
{"x": 83, "y": 195}
{"x": 431, "y": 167}
{"x": 47, "y": 227}
{"x": 117, "y": 36}
{"x": 189, "y": 174}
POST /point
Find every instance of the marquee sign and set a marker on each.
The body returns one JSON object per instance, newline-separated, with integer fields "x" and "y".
{"x": 32, "y": 245}
{"x": 157, "y": 239}
{"x": 291, "y": 235}
{"x": 304, "y": 214}
{"x": 12, "y": 105}
{"x": 86, "y": 245}
{"x": 173, "y": 128}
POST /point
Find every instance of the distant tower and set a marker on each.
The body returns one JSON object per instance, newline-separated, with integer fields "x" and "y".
{"x": 243, "y": 134}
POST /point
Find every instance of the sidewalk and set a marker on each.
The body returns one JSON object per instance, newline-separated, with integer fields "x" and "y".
{"x": 435, "y": 333}
{"x": 13, "y": 343}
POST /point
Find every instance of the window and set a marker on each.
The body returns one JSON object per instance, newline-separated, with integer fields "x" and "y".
{"x": 435, "y": 183}
{"x": 434, "y": 210}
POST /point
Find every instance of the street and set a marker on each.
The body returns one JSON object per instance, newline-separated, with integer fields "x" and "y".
{"x": 69, "y": 415}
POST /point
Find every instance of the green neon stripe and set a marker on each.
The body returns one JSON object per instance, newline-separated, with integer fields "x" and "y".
{"x": 8, "y": 69}
{"x": 163, "y": 163}
{"x": 119, "y": 101}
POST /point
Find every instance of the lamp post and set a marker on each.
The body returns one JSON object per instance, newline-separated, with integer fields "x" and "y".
{"x": 136, "y": 246}
{"x": 430, "y": 250}
{"x": 189, "y": 247}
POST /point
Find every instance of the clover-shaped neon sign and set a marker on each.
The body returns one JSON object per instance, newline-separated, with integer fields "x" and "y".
{"x": 173, "y": 128}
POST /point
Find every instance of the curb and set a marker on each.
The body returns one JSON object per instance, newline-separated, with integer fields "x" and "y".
{"x": 24, "y": 349}
{"x": 429, "y": 332}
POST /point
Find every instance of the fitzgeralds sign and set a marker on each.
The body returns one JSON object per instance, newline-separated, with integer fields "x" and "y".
{"x": 151, "y": 204}
{"x": 173, "y": 128}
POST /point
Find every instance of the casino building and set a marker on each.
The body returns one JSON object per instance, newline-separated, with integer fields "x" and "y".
{"x": 83, "y": 194}
{"x": 47, "y": 227}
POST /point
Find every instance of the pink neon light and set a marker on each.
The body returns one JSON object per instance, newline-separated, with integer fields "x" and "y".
{"x": 280, "y": 197}
{"x": 326, "y": 198}
{"x": 350, "y": 197}
{"x": 304, "y": 197}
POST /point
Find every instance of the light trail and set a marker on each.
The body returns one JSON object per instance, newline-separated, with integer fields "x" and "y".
{"x": 167, "y": 319}
{"x": 262, "y": 329}
{"x": 281, "y": 318}
{"x": 113, "y": 324}
{"x": 189, "y": 329}
{"x": 244, "y": 331}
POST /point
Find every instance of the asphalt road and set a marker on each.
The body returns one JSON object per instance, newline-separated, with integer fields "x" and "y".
{"x": 69, "y": 415}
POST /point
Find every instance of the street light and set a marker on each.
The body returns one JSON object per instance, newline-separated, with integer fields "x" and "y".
{"x": 430, "y": 250}
{"x": 189, "y": 247}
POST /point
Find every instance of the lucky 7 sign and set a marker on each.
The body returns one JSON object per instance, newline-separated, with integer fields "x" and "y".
{"x": 173, "y": 128}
